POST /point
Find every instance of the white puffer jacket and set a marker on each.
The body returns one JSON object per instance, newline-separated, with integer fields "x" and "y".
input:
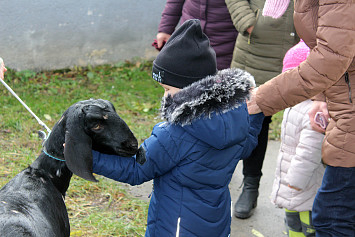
{"x": 299, "y": 161}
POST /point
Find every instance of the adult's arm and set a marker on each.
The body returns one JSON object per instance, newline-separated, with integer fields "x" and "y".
{"x": 242, "y": 15}
{"x": 171, "y": 16}
{"x": 325, "y": 65}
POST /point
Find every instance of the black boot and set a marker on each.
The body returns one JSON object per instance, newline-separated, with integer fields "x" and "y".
{"x": 247, "y": 200}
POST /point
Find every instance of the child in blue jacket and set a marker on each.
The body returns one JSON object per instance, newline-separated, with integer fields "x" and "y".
{"x": 192, "y": 155}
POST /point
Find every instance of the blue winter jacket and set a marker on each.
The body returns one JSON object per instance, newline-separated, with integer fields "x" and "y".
{"x": 192, "y": 156}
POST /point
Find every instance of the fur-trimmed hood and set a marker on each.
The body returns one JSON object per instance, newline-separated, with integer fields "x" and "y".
{"x": 193, "y": 164}
{"x": 214, "y": 94}
{"x": 195, "y": 107}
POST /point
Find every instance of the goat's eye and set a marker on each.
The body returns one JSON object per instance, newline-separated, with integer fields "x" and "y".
{"x": 96, "y": 127}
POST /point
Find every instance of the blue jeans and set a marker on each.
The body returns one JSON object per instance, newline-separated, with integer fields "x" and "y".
{"x": 333, "y": 211}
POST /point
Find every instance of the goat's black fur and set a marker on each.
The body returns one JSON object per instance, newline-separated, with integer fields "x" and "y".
{"x": 32, "y": 203}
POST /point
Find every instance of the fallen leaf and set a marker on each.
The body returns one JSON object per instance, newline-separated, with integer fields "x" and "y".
{"x": 48, "y": 117}
{"x": 257, "y": 233}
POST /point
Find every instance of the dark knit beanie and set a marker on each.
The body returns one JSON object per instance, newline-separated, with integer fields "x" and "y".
{"x": 186, "y": 57}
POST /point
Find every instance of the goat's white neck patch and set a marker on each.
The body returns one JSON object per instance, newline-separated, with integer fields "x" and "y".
{"x": 59, "y": 173}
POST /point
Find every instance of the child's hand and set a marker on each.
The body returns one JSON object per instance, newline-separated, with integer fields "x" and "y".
{"x": 298, "y": 189}
{"x": 140, "y": 156}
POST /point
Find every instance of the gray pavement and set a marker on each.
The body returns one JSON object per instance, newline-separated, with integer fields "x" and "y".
{"x": 267, "y": 220}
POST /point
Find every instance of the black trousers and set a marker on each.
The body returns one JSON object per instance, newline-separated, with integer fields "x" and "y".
{"x": 253, "y": 164}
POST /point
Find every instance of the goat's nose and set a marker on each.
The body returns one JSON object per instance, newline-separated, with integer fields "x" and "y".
{"x": 131, "y": 145}
{"x": 134, "y": 145}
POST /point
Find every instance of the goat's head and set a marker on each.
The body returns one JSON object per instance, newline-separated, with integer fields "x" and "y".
{"x": 87, "y": 125}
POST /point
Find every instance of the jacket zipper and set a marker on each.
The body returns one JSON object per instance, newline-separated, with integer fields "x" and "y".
{"x": 349, "y": 86}
{"x": 178, "y": 228}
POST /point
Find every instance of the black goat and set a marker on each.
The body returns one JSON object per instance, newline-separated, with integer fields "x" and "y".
{"x": 32, "y": 203}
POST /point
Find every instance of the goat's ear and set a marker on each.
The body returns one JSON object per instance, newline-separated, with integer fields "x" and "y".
{"x": 78, "y": 152}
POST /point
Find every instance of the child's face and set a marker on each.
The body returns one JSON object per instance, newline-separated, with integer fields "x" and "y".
{"x": 169, "y": 90}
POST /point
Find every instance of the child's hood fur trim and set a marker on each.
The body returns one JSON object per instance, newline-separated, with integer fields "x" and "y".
{"x": 214, "y": 94}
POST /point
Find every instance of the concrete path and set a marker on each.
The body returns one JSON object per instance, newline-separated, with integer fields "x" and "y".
{"x": 267, "y": 220}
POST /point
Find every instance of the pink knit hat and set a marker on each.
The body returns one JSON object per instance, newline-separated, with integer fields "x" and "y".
{"x": 295, "y": 56}
{"x": 275, "y": 8}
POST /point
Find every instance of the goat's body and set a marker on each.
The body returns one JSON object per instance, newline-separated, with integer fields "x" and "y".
{"x": 32, "y": 204}
{"x": 29, "y": 196}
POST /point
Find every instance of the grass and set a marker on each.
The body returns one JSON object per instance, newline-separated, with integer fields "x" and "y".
{"x": 275, "y": 126}
{"x": 95, "y": 209}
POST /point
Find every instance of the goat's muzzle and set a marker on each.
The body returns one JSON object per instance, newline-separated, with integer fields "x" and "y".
{"x": 128, "y": 148}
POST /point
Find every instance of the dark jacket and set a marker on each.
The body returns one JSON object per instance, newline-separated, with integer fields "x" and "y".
{"x": 192, "y": 156}
{"x": 215, "y": 22}
{"x": 261, "y": 53}
{"x": 328, "y": 28}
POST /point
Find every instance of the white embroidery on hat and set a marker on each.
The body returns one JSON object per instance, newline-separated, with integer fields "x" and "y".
{"x": 158, "y": 76}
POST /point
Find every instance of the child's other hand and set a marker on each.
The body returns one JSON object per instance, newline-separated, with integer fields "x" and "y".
{"x": 140, "y": 156}
{"x": 298, "y": 189}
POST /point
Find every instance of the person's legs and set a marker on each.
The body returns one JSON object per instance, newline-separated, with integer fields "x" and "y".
{"x": 252, "y": 165}
{"x": 334, "y": 206}
{"x": 293, "y": 224}
{"x": 307, "y": 224}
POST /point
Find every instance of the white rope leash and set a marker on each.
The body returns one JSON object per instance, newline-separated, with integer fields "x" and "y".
{"x": 23, "y": 103}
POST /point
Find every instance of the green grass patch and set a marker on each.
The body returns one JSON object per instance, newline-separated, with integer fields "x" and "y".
{"x": 95, "y": 209}
{"x": 275, "y": 126}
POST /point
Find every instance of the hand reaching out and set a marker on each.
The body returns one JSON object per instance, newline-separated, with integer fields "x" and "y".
{"x": 253, "y": 108}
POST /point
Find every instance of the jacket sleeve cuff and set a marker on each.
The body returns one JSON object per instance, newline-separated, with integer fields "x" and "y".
{"x": 96, "y": 161}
